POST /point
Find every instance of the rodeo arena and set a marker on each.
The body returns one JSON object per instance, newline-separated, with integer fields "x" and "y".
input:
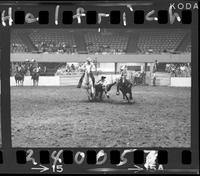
{"x": 113, "y": 88}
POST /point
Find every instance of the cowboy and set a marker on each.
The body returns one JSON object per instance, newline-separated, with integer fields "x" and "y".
{"x": 18, "y": 68}
{"x": 123, "y": 74}
{"x": 88, "y": 65}
{"x": 37, "y": 69}
{"x": 123, "y": 71}
{"x": 33, "y": 65}
{"x": 102, "y": 81}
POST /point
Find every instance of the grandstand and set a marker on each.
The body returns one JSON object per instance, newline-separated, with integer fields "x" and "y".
{"x": 74, "y": 44}
{"x": 158, "y": 41}
{"x": 52, "y": 40}
{"x": 107, "y": 41}
{"x": 17, "y": 43}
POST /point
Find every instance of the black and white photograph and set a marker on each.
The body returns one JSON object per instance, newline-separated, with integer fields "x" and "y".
{"x": 100, "y": 87}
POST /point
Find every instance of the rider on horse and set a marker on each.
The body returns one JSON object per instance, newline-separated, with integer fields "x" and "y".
{"x": 32, "y": 66}
{"x": 88, "y": 65}
{"x": 19, "y": 69}
{"x": 36, "y": 69}
{"x": 123, "y": 76}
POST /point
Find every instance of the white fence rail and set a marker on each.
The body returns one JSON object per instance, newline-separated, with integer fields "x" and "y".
{"x": 70, "y": 80}
{"x": 43, "y": 81}
{"x": 180, "y": 82}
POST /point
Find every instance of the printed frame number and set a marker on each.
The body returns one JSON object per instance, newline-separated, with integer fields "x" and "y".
{"x": 57, "y": 168}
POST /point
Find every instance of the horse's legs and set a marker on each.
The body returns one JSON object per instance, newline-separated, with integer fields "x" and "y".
{"x": 96, "y": 93}
{"x": 127, "y": 98}
{"x": 92, "y": 92}
{"x": 131, "y": 97}
{"x": 101, "y": 94}
{"x": 88, "y": 94}
{"x": 21, "y": 82}
{"x": 117, "y": 90}
{"x": 130, "y": 93}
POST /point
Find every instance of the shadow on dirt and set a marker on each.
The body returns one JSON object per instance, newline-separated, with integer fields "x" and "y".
{"x": 110, "y": 101}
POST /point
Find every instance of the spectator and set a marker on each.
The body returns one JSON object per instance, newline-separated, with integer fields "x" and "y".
{"x": 73, "y": 67}
{"x": 155, "y": 68}
{"x": 179, "y": 70}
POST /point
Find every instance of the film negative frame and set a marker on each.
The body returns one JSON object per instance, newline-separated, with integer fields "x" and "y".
{"x": 83, "y": 160}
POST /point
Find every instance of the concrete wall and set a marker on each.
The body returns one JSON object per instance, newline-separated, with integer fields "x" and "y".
{"x": 43, "y": 81}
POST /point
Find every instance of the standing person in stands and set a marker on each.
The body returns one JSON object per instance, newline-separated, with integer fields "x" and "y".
{"x": 155, "y": 69}
{"x": 88, "y": 65}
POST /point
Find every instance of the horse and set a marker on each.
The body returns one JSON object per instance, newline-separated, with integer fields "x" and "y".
{"x": 125, "y": 86}
{"x": 19, "y": 78}
{"x": 88, "y": 85}
{"x": 35, "y": 77}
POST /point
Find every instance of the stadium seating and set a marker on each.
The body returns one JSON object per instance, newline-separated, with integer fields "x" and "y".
{"x": 160, "y": 40}
{"x": 188, "y": 47}
{"x": 53, "y": 39}
{"x": 17, "y": 45}
{"x": 106, "y": 42}
{"x": 110, "y": 41}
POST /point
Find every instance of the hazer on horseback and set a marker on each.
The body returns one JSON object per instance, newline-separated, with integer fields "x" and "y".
{"x": 87, "y": 80}
{"x": 124, "y": 85}
{"x": 89, "y": 67}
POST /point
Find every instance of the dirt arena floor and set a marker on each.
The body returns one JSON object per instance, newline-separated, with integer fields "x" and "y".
{"x": 63, "y": 117}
